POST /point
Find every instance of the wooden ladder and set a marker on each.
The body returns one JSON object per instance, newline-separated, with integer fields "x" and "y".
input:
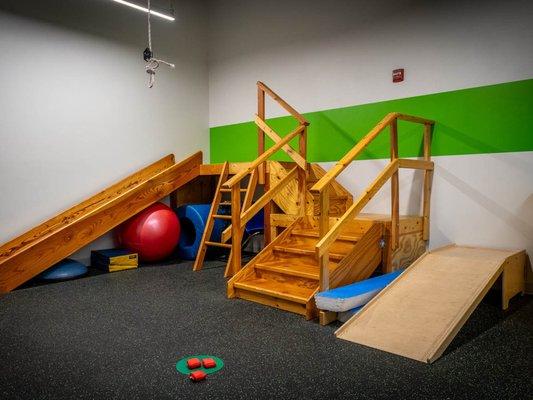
{"x": 214, "y": 215}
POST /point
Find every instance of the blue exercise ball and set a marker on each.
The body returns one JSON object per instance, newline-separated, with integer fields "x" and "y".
{"x": 63, "y": 270}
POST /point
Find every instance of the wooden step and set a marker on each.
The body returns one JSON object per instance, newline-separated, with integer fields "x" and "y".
{"x": 286, "y": 290}
{"x": 292, "y": 266}
{"x": 306, "y": 245}
{"x": 296, "y": 266}
{"x": 312, "y": 233}
{"x": 306, "y": 252}
{"x": 229, "y": 190}
{"x": 218, "y": 244}
{"x": 218, "y": 216}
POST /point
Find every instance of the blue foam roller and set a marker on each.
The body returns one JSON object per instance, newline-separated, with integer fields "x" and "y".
{"x": 63, "y": 270}
{"x": 193, "y": 219}
{"x": 347, "y": 297}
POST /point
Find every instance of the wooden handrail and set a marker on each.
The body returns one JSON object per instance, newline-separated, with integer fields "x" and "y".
{"x": 262, "y": 158}
{"x": 324, "y": 243}
{"x": 248, "y": 214}
{"x": 282, "y": 103}
{"x": 353, "y": 153}
{"x": 328, "y": 236}
{"x": 412, "y": 118}
{"x": 371, "y": 190}
{"x": 298, "y": 159}
{"x": 361, "y": 146}
{"x": 415, "y": 164}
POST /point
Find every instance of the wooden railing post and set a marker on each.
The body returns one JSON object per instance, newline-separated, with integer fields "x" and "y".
{"x": 395, "y": 186}
{"x": 323, "y": 228}
{"x": 236, "y": 230}
{"x": 428, "y": 181}
{"x": 260, "y": 132}
{"x": 302, "y": 173}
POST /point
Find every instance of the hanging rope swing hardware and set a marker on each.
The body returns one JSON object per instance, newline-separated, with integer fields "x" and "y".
{"x": 152, "y": 63}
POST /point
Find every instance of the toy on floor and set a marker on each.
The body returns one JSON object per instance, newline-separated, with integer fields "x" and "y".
{"x": 193, "y": 363}
{"x": 112, "y": 260}
{"x": 193, "y": 220}
{"x": 198, "y": 375}
{"x": 198, "y": 367}
{"x": 63, "y": 270}
{"x": 357, "y": 294}
{"x": 153, "y": 233}
{"x": 209, "y": 363}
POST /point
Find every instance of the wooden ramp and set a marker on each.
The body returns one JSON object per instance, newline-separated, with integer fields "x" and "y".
{"x": 419, "y": 314}
{"x": 48, "y": 243}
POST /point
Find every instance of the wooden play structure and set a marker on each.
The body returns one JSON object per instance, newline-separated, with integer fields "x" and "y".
{"x": 419, "y": 314}
{"x": 316, "y": 237}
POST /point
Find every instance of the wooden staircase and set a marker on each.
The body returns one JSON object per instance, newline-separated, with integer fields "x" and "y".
{"x": 286, "y": 273}
{"x": 48, "y": 243}
{"x": 323, "y": 245}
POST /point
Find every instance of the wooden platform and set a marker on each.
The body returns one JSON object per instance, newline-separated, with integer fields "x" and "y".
{"x": 419, "y": 314}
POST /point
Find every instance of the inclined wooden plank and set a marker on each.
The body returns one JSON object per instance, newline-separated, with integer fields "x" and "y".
{"x": 422, "y": 310}
{"x": 65, "y": 240}
{"x": 21, "y": 242}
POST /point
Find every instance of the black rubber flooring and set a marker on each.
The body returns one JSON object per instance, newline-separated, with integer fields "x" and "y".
{"x": 118, "y": 336}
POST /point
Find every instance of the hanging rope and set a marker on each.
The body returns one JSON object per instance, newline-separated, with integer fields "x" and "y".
{"x": 152, "y": 63}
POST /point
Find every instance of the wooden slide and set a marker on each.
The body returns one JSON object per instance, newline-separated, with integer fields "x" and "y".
{"x": 41, "y": 247}
{"x": 420, "y": 312}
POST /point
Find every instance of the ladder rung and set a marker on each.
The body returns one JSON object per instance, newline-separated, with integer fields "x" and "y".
{"x": 225, "y": 245}
{"x": 229, "y": 190}
{"x": 222, "y": 216}
{"x": 225, "y": 203}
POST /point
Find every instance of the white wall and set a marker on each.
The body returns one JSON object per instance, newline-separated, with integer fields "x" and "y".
{"x": 327, "y": 54}
{"x": 76, "y": 113}
{"x": 477, "y": 200}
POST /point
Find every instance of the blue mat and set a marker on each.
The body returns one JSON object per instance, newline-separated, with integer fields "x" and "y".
{"x": 347, "y": 297}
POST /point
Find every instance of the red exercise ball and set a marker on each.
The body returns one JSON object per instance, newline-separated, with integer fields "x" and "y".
{"x": 153, "y": 233}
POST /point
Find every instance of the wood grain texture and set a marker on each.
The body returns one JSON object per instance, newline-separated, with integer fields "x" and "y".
{"x": 216, "y": 169}
{"x": 200, "y": 190}
{"x": 353, "y": 153}
{"x": 287, "y": 198}
{"x": 267, "y": 197}
{"x": 358, "y": 205}
{"x": 260, "y": 132}
{"x": 210, "y": 223}
{"x": 513, "y": 278}
{"x": 283, "y": 103}
{"x": 272, "y": 134}
{"x": 410, "y": 247}
{"x": 66, "y": 239}
{"x": 235, "y": 261}
{"x": 264, "y": 255}
{"x": 395, "y": 186}
{"x": 21, "y": 243}
{"x": 361, "y": 261}
{"x": 422, "y": 310}
{"x": 262, "y": 158}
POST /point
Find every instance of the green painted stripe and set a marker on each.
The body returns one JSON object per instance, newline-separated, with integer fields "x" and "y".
{"x": 488, "y": 119}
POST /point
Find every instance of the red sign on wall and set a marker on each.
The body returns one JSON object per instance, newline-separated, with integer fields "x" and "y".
{"x": 397, "y": 75}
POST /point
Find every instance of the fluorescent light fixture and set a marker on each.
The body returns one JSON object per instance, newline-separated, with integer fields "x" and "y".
{"x": 137, "y": 7}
